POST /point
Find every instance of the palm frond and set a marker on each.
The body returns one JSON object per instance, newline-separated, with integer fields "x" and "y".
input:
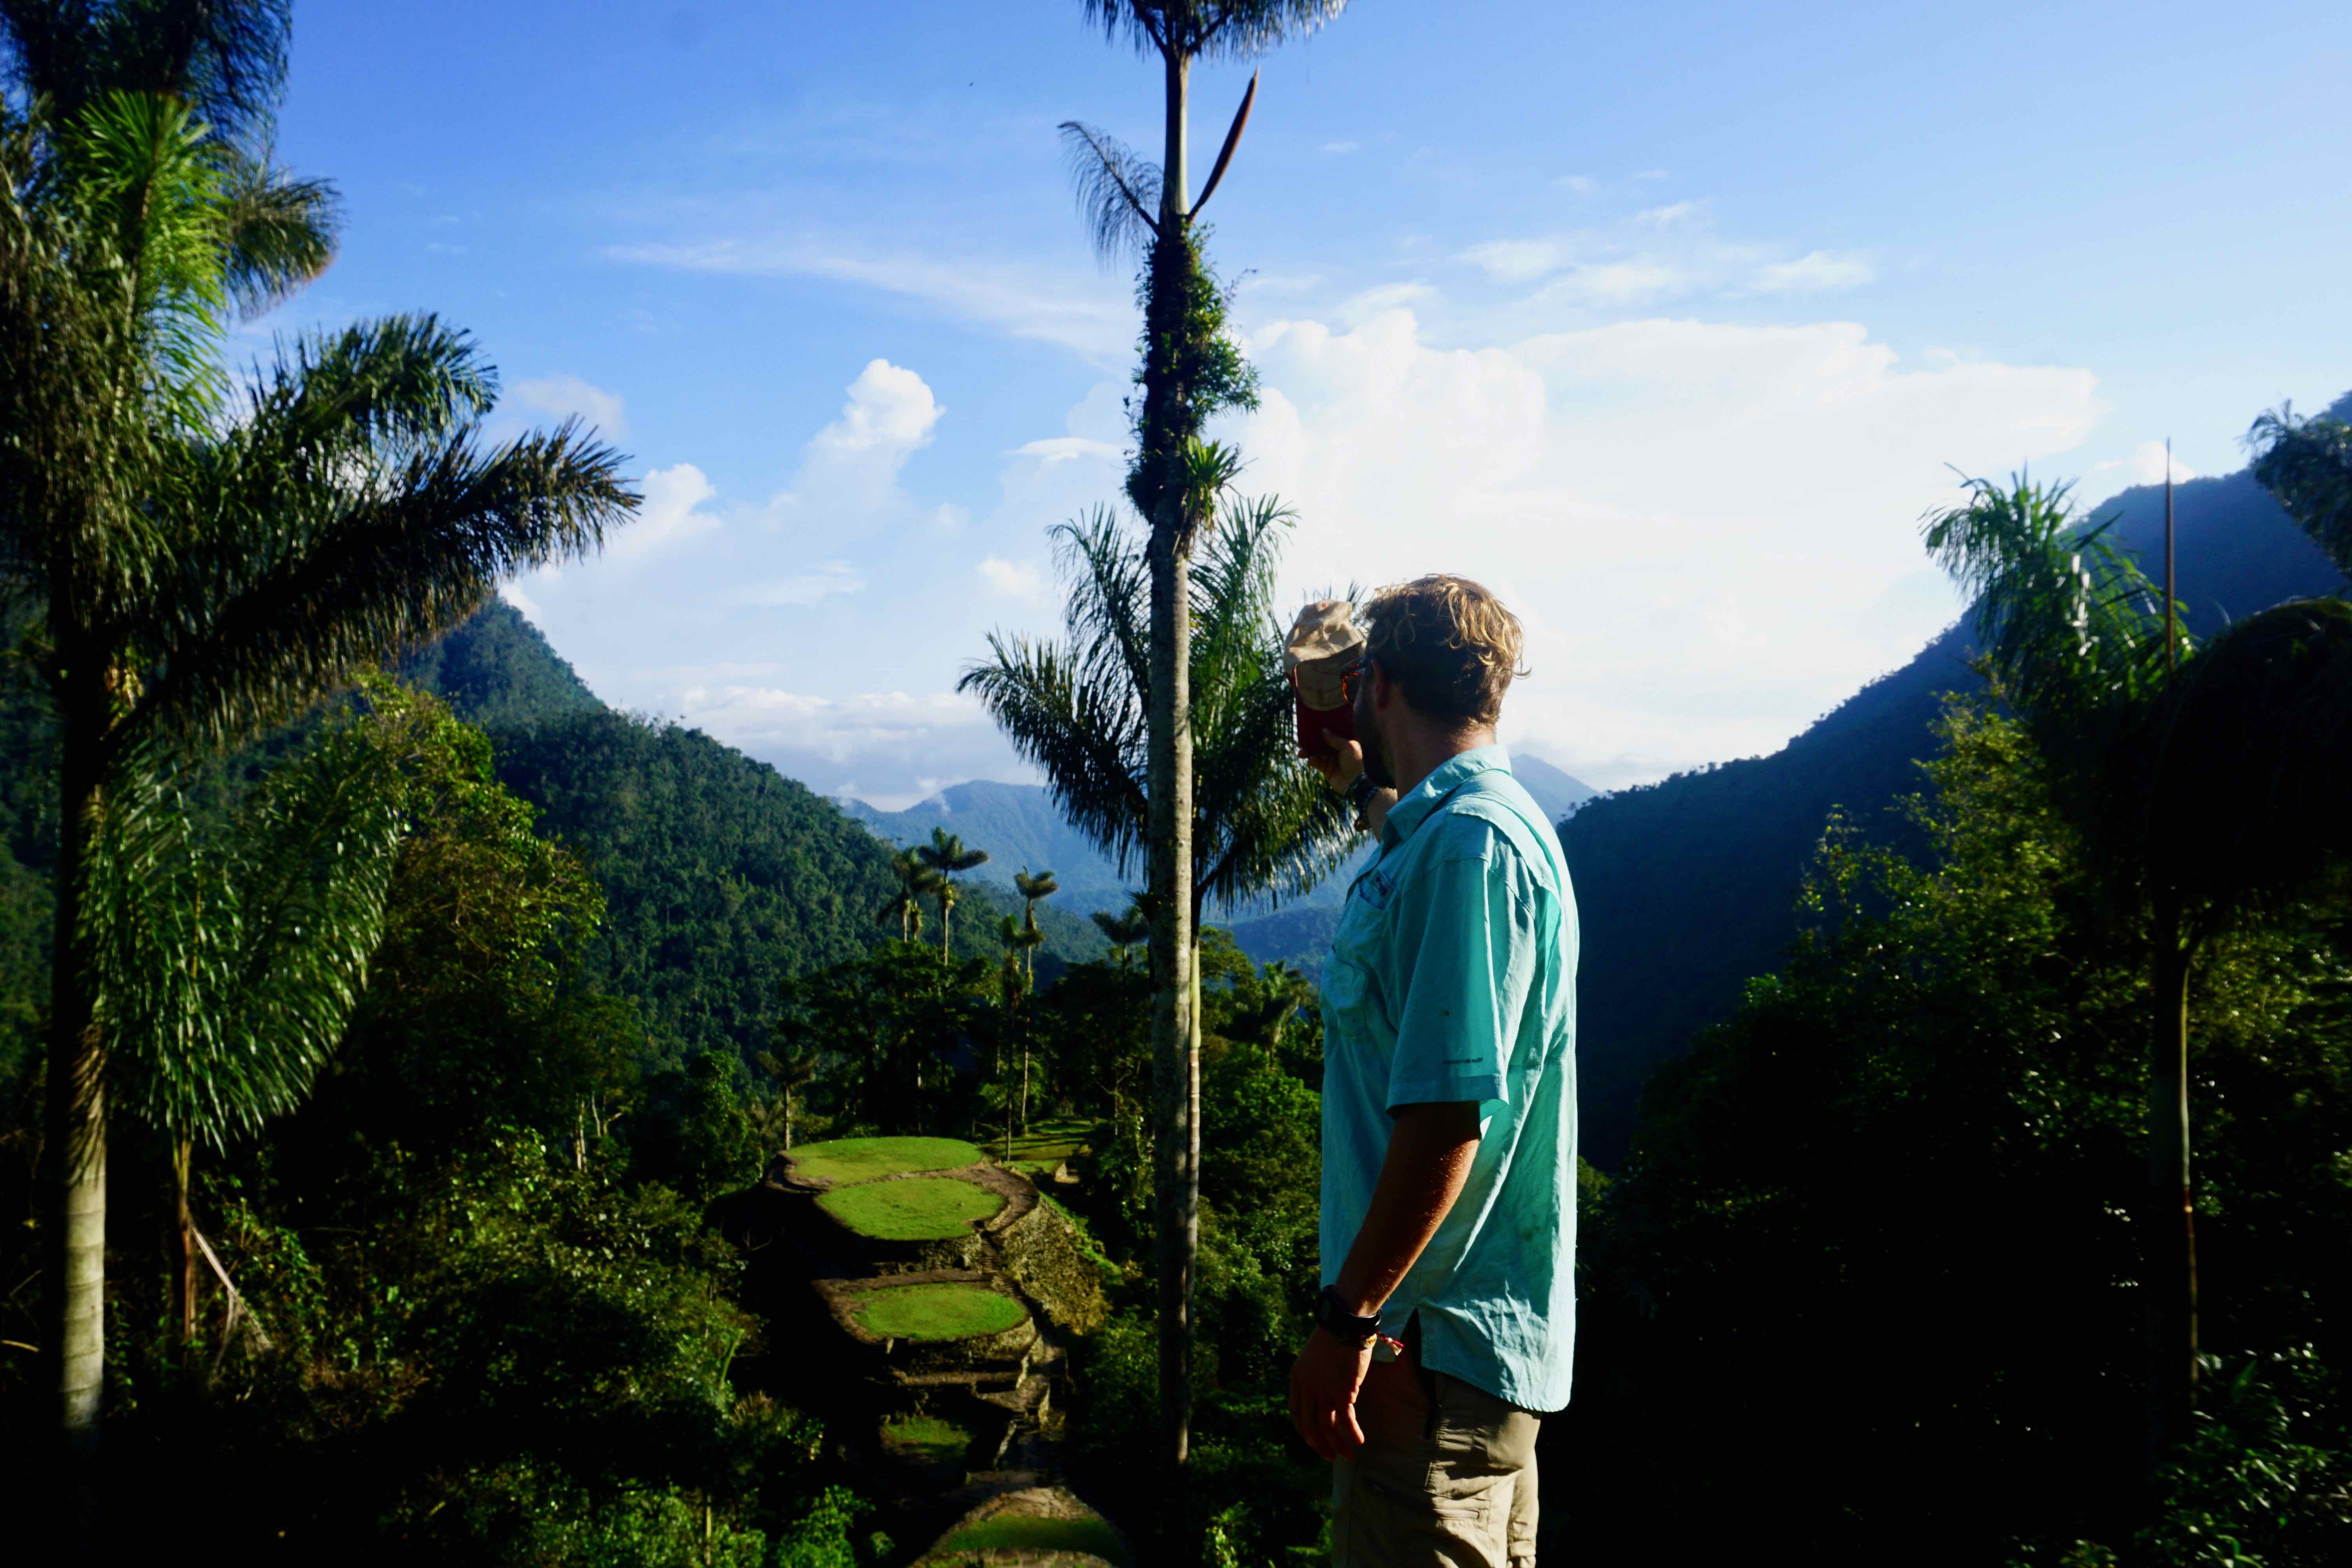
{"x": 1124, "y": 930}
{"x": 351, "y": 516}
{"x": 1240, "y": 29}
{"x": 226, "y": 972}
{"x": 279, "y": 233}
{"x": 1119, "y": 193}
{"x": 1214, "y": 28}
{"x": 2307, "y": 464}
{"x": 1084, "y": 733}
{"x": 1263, "y": 824}
{"x": 225, "y": 57}
{"x": 2068, "y": 621}
{"x": 143, "y": 167}
{"x": 1108, "y": 612}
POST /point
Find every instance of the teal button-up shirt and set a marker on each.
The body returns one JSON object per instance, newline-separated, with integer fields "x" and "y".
{"x": 1453, "y": 977}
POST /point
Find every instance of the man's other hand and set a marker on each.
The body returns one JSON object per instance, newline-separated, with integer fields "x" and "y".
{"x": 1342, "y": 760}
{"x": 1323, "y": 1384}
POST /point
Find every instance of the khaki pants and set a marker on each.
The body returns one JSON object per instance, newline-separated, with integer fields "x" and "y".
{"x": 1446, "y": 1478}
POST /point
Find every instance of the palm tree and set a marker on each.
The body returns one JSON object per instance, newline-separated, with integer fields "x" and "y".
{"x": 791, "y": 1071}
{"x": 208, "y": 564}
{"x": 1032, "y": 888}
{"x": 1021, "y": 943}
{"x": 1260, "y": 824}
{"x": 1191, "y": 370}
{"x": 917, "y": 882}
{"x": 2207, "y": 781}
{"x": 945, "y": 858}
{"x": 1124, "y": 930}
{"x": 1282, "y": 991}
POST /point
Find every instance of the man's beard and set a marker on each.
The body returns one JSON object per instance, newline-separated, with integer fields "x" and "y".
{"x": 1368, "y": 736}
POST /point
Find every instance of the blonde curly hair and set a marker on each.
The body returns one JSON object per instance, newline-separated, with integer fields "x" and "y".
{"x": 1448, "y": 643}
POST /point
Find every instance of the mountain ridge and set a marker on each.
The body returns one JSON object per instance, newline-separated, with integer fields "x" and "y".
{"x": 1687, "y": 887}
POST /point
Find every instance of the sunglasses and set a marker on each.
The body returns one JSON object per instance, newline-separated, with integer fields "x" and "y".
{"x": 1351, "y": 676}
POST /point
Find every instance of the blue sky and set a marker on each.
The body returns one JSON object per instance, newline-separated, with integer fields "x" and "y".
{"x": 1662, "y": 319}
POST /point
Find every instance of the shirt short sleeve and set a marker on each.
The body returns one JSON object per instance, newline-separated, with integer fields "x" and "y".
{"x": 1463, "y": 941}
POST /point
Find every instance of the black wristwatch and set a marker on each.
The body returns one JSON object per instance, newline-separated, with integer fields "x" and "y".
{"x": 1360, "y": 791}
{"x": 1331, "y": 1315}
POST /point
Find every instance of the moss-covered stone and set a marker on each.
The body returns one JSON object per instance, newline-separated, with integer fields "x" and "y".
{"x": 1049, "y": 1256}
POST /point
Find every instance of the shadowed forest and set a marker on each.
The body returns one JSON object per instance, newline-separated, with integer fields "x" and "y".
{"x": 443, "y": 1119}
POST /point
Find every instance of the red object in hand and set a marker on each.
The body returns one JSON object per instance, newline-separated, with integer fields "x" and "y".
{"x": 1313, "y": 721}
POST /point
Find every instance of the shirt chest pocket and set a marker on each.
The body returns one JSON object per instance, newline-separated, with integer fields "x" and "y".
{"x": 1357, "y": 944}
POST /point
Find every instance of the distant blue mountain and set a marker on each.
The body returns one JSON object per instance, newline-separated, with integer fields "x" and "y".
{"x": 1022, "y": 830}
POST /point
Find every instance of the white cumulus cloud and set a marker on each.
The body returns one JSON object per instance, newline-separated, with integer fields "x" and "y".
{"x": 850, "y": 468}
{"x": 1703, "y": 526}
{"x": 670, "y": 515}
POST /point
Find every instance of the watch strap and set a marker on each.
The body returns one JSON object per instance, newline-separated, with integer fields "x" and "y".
{"x": 1331, "y": 1315}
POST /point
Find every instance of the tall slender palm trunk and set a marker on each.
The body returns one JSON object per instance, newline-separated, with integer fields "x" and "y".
{"x": 1175, "y": 1056}
{"x": 2171, "y": 1260}
{"x": 183, "y": 1262}
{"x": 1176, "y": 1182}
{"x": 75, "y": 1141}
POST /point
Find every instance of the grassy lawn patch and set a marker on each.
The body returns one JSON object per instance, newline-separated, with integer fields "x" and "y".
{"x": 1016, "y": 1530}
{"x": 935, "y": 1441}
{"x": 949, "y": 1312}
{"x": 1045, "y": 1145}
{"x": 925, "y": 1209}
{"x": 862, "y": 1159}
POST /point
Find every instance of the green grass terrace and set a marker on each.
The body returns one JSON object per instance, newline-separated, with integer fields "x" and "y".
{"x": 919, "y": 1208}
{"x": 944, "y": 1310}
{"x": 846, "y": 1160}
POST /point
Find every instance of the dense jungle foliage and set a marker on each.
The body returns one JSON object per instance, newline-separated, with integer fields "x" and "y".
{"x": 1869, "y": 1277}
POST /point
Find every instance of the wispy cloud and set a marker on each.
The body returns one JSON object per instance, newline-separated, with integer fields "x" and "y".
{"x": 1657, "y": 254}
{"x": 800, "y": 588}
{"x": 1015, "y": 581}
{"x": 1813, "y": 273}
{"x": 1088, "y": 319}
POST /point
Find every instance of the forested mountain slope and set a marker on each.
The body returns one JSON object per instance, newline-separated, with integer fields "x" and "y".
{"x": 1687, "y": 887}
{"x": 722, "y": 878}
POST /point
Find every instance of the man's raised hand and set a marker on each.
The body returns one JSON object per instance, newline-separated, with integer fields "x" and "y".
{"x": 1343, "y": 761}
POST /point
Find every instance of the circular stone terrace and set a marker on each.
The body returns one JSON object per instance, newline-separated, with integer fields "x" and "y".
{"x": 902, "y": 1192}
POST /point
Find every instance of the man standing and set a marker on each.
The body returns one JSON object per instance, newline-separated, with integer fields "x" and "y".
{"x": 1447, "y": 1318}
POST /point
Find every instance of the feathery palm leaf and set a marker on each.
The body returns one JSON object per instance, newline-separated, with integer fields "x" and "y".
{"x": 1118, "y": 192}
{"x": 2072, "y": 630}
{"x": 2307, "y": 464}
{"x": 227, "y": 972}
{"x": 351, "y": 515}
{"x": 1214, "y": 29}
{"x": 1123, "y": 929}
{"x": 225, "y": 58}
{"x": 1075, "y": 708}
